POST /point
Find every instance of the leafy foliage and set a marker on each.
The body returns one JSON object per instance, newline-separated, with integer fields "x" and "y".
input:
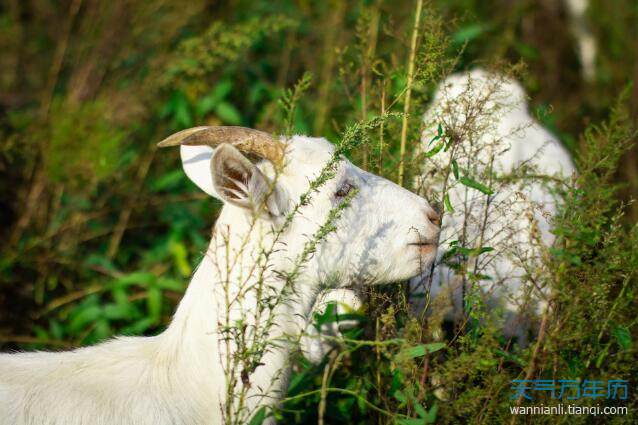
{"x": 100, "y": 234}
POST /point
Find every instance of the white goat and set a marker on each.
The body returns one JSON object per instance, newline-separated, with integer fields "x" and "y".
{"x": 181, "y": 375}
{"x": 488, "y": 115}
{"x": 495, "y": 135}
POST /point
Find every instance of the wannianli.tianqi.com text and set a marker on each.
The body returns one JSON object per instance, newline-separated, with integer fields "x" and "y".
{"x": 568, "y": 409}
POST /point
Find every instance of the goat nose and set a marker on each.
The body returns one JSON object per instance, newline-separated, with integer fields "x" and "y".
{"x": 434, "y": 217}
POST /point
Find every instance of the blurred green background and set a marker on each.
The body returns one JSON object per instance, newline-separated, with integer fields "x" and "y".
{"x": 100, "y": 232}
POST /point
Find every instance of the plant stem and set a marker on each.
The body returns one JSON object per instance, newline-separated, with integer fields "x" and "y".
{"x": 408, "y": 92}
{"x": 381, "y": 129}
{"x": 329, "y": 56}
{"x": 537, "y": 349}
{"x": 324, "y": 388}
{"x": 368, "y": 54}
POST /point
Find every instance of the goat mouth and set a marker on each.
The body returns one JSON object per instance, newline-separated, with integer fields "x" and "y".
{"x": 425, "y": 248}
{"x": 423, "y": 244}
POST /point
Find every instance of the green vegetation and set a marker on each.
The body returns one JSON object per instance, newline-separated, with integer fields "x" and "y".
{"x": 101, "y": 233}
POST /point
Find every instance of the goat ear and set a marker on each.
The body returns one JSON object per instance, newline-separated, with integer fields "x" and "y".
{"x": 238, "y": 181}
{"x": 196, "y": 164}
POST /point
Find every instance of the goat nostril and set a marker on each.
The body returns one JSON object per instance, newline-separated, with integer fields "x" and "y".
{"x": 434, "y": 218}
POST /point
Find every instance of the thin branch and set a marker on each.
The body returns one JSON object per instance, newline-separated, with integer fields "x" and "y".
{"x": 408, "y": 92}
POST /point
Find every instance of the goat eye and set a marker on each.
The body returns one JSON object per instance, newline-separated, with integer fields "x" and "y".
{"x": 344, "y": 190}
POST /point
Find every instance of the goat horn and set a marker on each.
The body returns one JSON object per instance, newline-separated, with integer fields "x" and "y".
{"x": 245, "y": 139}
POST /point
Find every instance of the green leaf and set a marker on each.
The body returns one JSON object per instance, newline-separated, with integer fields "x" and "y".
{"x": 138, "y": 327}
{"x": 120, "y": 295}
{"x": 398, "y": 394}
{"x": 434, "y": 139}
{"x": 180, "y": 257}
{"x": 222, "y": 89}
{"x": 426, "y": 417}
{"x": 347, "y": 317}
{"x": 623, "y": 336}
{"x": 257, "y": 92}
{"x": 420, "y": 410}
{"x": 118, "y": 311}
{"x": 420, "y": 350}
{"x": 527, "y": 51}
{"x": 259, "y": 417}
{"x": 41, "y": 333}
{"x": 439, "y": 134}
{"x": 565, "y": 255}
{"x": 468, "y": 33}
{"x": 488, "y": 363}
{"x": 179, "y": 109}
{"x": 154, "y": 303}
{"x": 431, "y": 416}
{"x": 209, "y": 102}
{"x": 85, "y": 316}
{"x": 397, "y": 381}
{"x": 205, "y": 105}
{"x": 56, "y": 329}
{"x": 481, "y": 250}
{"x": 455, "y": 169}
{"x": 434, "y": 150}
{"x": 170, "y": 180}
{"x": 135, "y": 278}
{"x": 448, "y": 204}
{"x": 170, "y": 284}
{"x": 363, "y": 407}
{"x": 102, "y": 329}
{"x": 299, "y": 381}
{"x": 469, "y": 182}
{"x": 328, "y": 315}
{"x": 602, "y": 356}
{"x": 228, "y": 113}
{"x": 345, "y": 406}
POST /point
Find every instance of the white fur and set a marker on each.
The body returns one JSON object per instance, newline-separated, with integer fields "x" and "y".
{"x": 508, "y": 132}
{"x": 505, "y": 130}
{"x": 178, "y": 376}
